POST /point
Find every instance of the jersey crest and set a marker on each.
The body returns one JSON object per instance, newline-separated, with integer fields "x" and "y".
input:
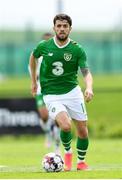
{"x": 67, "y": 56}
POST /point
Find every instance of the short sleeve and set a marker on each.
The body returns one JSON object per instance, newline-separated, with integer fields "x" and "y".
{"x": 82, "y": 59}
{"x": 37, "y": 52}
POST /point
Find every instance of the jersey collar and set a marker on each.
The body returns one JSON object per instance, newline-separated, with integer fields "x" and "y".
{"x": 54, "y": 38}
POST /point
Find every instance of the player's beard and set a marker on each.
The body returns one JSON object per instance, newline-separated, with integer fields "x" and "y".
{"x": 62, "y": 39}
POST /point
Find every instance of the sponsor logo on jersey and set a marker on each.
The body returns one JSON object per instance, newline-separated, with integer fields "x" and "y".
{"x": 67, "y": 56}
{"x": 50, "y": 54}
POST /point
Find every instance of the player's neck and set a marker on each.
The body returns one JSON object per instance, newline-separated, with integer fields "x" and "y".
{"x": 61, "y": 43}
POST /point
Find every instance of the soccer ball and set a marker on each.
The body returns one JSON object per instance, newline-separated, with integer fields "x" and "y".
{"x": 52, "y": 162}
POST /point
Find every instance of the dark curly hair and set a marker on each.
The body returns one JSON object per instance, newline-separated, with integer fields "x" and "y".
{"x": 62, "y": 17}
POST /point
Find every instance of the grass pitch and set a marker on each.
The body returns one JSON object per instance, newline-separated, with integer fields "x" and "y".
{"x": 12, "y": 87}
{"x": 20, "y": 157}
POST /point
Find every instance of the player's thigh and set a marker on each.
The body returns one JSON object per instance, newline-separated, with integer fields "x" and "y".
{"x": 63, "y": 121}
{"x": 58, "y": 112}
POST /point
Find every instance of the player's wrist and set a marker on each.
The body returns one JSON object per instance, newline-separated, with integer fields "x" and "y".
{"x": 89, "y": 89}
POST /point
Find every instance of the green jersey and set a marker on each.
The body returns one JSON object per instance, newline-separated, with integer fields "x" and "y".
{"x": 58, "y": 71}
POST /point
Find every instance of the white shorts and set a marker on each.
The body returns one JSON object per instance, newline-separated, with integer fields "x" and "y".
{"x": 71, "y": 102}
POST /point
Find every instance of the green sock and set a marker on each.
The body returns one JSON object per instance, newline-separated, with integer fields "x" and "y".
{"x": 82, "y": 146}
{"x": 66, "y": 139}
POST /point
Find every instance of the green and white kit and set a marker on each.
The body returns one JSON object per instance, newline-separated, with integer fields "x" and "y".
{"x": 58, "y": 74}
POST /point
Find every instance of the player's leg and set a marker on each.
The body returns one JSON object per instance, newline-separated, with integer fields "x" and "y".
{"x": 82, "y": 144}
{"x": 56, "y": 137}
{"x": 42, "y": 110}
{"x": 58, "y": 112}
{"x": 64, "y": 122}
{"x": 45, "y": 122}
{"x": 77, "y": 111}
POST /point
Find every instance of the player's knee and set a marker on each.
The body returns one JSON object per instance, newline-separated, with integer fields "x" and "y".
{"x": 66, "y": 127}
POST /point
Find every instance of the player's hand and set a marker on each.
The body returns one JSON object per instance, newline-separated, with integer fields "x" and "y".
{"x": 88, "y": 94}
{"x": 33, "y": 88}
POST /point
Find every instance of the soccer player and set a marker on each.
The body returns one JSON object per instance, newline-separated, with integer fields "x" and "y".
{"x": 48, "y": 125}
{"x": 62, "y": 95}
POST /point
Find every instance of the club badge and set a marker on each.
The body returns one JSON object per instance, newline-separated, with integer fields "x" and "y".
{"x": 67, "y": 56}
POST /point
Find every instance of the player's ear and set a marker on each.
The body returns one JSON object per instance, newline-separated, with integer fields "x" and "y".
{"x": 70, "y": 28}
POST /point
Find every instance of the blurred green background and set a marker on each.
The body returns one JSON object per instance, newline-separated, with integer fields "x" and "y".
{"x": 105, "y": 61}
{"x": 103, "y": 50}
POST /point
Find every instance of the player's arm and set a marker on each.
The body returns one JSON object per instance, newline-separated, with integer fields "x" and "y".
{"x": 88, "y": 83}
{"x": 32, "y": 67}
